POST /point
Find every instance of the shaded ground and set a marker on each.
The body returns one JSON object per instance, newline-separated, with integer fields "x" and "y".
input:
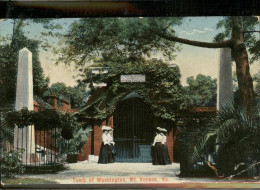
{"x": 26, "y": 181}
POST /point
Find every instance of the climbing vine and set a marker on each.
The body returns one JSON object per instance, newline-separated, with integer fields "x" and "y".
{"x": 44, "y": 120}
{"x": 161, "y": 90}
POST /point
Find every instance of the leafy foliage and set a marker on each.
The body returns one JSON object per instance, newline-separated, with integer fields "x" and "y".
{"x": 69, "y": 125}
{"x": 21, "y": 118}
{"x": 7, "y": 128}
{"x": 162, "y": 89}
{"x": 201, "y": 91}
{"x": 75, "y": 144}
{"x": 42, "y": 120}
{"x": 72, "y": 136}
{"x": 249, "y": 23}
{"x": 9, "y": 49}
{"x": 237, "y": 133}
{"x": 11, "y": 164}
{"x": 89, "y": 40}
{"x": 46, "y": 119}
{"x": 75, "y": 95}
{"x": 92, "y": 39}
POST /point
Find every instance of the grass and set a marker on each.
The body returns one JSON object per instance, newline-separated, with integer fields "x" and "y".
{"x": 15, "y": 181}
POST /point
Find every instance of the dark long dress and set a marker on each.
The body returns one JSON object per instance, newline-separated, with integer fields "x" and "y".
{"x": 105, "y": 154}
{"x": 160, "y": 155}
{"x": 165, "y": 153}
{"x": 155, "y": 154}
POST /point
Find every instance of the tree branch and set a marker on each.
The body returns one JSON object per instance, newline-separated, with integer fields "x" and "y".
{"x": 223, "y": 44}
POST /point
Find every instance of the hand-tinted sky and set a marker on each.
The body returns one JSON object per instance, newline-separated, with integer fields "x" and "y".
{"x": 191, "y": 60}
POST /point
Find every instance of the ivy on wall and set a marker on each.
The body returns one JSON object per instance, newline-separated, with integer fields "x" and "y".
{"x": 161, "y": 90}
{"x": 44, "y": 120}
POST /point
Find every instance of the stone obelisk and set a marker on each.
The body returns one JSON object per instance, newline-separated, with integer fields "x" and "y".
{"x": 225, "y": 83}
{"x": 24, "y": 138}
{"x": 225, "y": 86}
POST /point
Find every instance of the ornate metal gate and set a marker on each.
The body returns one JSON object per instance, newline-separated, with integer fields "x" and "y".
{"x": 133, "y": 132}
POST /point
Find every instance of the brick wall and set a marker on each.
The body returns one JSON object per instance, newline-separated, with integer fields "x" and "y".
{"x": 65, "y": 105}
{"x": 171, "y": 137}
{"x": 111, "y": 122}
{"x": 54, "y": 102}
{"x": 86, "y": 150}
{"x": 46, "y": 140}
{"x": 98, "y": 137}
{"x": 36, "y": 106}
{"x": 40, "y": 138}
{"x": 169, "y": 144}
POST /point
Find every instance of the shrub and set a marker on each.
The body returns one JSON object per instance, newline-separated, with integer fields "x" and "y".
{"x": 74, "y": 145}
{"x": 11, "y": 164}
{"x": 237, "y": 133}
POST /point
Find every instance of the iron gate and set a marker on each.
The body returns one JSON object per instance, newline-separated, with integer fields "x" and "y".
{"x": 133, "y": 132}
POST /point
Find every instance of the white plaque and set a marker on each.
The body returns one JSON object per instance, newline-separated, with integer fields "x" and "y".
{"x": 132, "y": 78}
{"x": 99, "y": 84}
{"x": 99, "y": 70}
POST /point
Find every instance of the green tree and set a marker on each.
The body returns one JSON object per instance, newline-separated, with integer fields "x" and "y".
{"x": 110, "y": 38}
{"x": 9, "y": 62}
{"x": 92, "y": 39}
{"x": 77, "y": 96}
{"x": 201, "y": 91}
{"x": 74, "y": 95}
{"x": 237, "y": 132}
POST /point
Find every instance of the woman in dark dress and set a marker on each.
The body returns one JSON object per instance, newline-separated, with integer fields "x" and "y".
{"x": 164, "y": 148}
{"x": 155, "y": 148}
{"x": 105, "y": 154}
{"x": 160, "y": 154}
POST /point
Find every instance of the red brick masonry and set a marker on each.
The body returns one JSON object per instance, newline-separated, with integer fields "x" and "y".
{"x": 40, "y": 137}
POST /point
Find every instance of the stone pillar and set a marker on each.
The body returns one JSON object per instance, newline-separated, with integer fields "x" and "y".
{"x": 224, "y": 91}
{"x": 24, "y": 138}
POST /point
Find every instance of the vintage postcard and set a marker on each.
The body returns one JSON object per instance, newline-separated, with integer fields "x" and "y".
{"x": 128, "y": 101}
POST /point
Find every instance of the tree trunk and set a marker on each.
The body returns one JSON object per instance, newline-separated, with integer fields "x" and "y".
{"x": 239, "y": 52}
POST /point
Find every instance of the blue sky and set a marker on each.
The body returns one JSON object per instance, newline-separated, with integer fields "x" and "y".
{"x": 191, "y": 60}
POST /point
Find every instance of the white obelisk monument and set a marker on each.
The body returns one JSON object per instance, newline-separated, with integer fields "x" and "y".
{"x": 24, "y": 138}
{"x": 225, "y": 85}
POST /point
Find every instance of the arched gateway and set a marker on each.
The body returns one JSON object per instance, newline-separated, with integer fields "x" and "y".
{"x": 133, "y": 133}
{"x": 133, "y": 130}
